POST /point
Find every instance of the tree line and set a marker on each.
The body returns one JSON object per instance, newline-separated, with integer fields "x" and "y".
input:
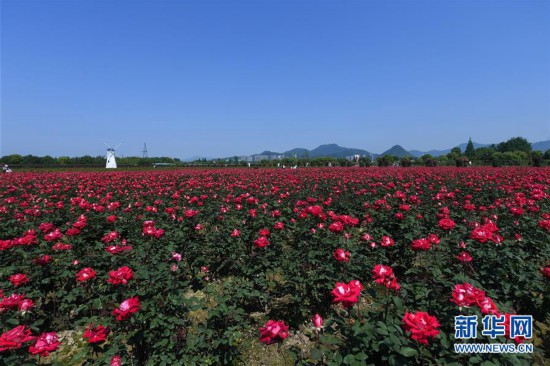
{"x": 515, "y": 152}
{"x": 81, "y": 161}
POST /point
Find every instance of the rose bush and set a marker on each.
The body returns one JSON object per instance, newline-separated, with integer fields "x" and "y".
{"x": 184, "y": 266}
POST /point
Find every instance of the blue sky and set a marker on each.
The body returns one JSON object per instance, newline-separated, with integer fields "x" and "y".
{"x": 224, "y": 78}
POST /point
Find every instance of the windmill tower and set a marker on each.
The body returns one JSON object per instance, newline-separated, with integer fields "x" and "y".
{"x": 111, "y": 153}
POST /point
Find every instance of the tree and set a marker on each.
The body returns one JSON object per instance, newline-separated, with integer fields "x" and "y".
{"x": 15, "y": 159}
{"x": 470, "y": 149}
{"x": 386, "y": 160}
{"x": 364, "y": 161}
{"x": 454, "y": 154}
{"x": 406, "y": 162}
{"x": 63, "y": 160}
{"x": 515, "y": 144}
{"x": 30, "y": 160}
{"x": 428, "y": 160}
{"x": 86, "y": 160}
{"x": 462, "y": 162}
{"x": 48, "y": 160}
{"x": 485, "y": 155}
{"x": 537, "y": 157}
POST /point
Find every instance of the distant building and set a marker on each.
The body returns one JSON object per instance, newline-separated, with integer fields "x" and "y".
{"x": 260, "y": 157}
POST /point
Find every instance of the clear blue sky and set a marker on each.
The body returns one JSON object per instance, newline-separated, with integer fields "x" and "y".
{"x": 224, "y": 78}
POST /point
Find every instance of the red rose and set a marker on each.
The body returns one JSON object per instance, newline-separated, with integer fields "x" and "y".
{"x": 272, "y": 330}
{"x": 113, "y": 235}
{"x": 160, "y": 232}
{"x": 347, "y": 294}
{"x": 546, "y": 271}
{"x": 26, "y": 305}
{"x": 54, "y": 235}
{"x": 127, "y": 308}
{"x": 464, "y": 257}
{"x": 121, "y": 276}
{"x": 15, "y": 338}
{"x": 433, "y": 239}
{"x": 115, "y": 361}
{"x": 261, "y": 242}
{"x": 111, "y": 218}
{"x": 421, "y": 325}
{"x": 96, "y": 334}
{"x": 336, "y": 227}
{"x": 14, "y": 301}
{"x": 6, "y": 244}
{"x": 467, "y": 295}
{"x": 46, "y": 227}
{"x": 44, "y": 344}
{"x": 446, "y": 224}
{"x": 421, "y": 244}
{"x": 487, "y": 306}
{"x": 380, "y": 272}
{"x": 85, "y": 274}
{"x": 387, "y": 241}
{"x": 383, "y": 275}
{"x": 72, "y": 232}
{"x": 61, "y": 246}
{"x": 341, "y": 255}
{"x": 544, "y": 224}
{"x": 19, "y": 279}
{"x": 317, "y": 321}
{"x": 481, "y": 234}
{"x": 190, "y": 213}
{"x": 116, "y": 249}
{"x": 366, "y": 237}
{"x": 356, "y": 285}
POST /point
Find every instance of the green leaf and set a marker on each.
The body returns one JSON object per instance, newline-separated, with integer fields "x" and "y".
{"x": 349, "y": 359}
{"x": 408, "y": 352}
{"x": 330, "y": 340}
{"x": 316, "y": 354}
{"x": 12, "y": 321}
{"x": 398, "y": 303}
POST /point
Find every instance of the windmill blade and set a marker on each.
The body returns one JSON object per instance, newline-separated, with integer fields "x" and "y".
{"x": 106, "y": 145}
{"x": 117, "y": 147}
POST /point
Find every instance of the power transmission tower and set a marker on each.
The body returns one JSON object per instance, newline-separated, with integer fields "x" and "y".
{"x": 145, "y": 151}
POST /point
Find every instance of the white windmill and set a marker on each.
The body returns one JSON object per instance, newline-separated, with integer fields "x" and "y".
{"x": 111, "y": 153}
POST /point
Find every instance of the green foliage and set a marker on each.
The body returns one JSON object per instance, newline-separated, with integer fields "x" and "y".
{"x": 514, "y": 144}
{"x": 470, "y": 151}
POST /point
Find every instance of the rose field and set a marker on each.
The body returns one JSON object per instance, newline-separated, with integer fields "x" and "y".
{"x": 354, "y": 266}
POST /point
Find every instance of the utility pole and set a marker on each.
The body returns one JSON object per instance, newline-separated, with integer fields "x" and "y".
{"x": 145, "y": 151}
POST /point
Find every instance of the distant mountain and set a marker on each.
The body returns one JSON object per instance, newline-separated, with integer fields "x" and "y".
{"x": 398, "y": 151}
{"x": 328, "y": 150}
{"x": 267, "y": 152}
{"x": 416, "y": 153}
{"x": 541, "y": 145}
{"x": 298, "y": 152}
{"x": 335, "y": 151}
{"x": 435, "y": 153}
